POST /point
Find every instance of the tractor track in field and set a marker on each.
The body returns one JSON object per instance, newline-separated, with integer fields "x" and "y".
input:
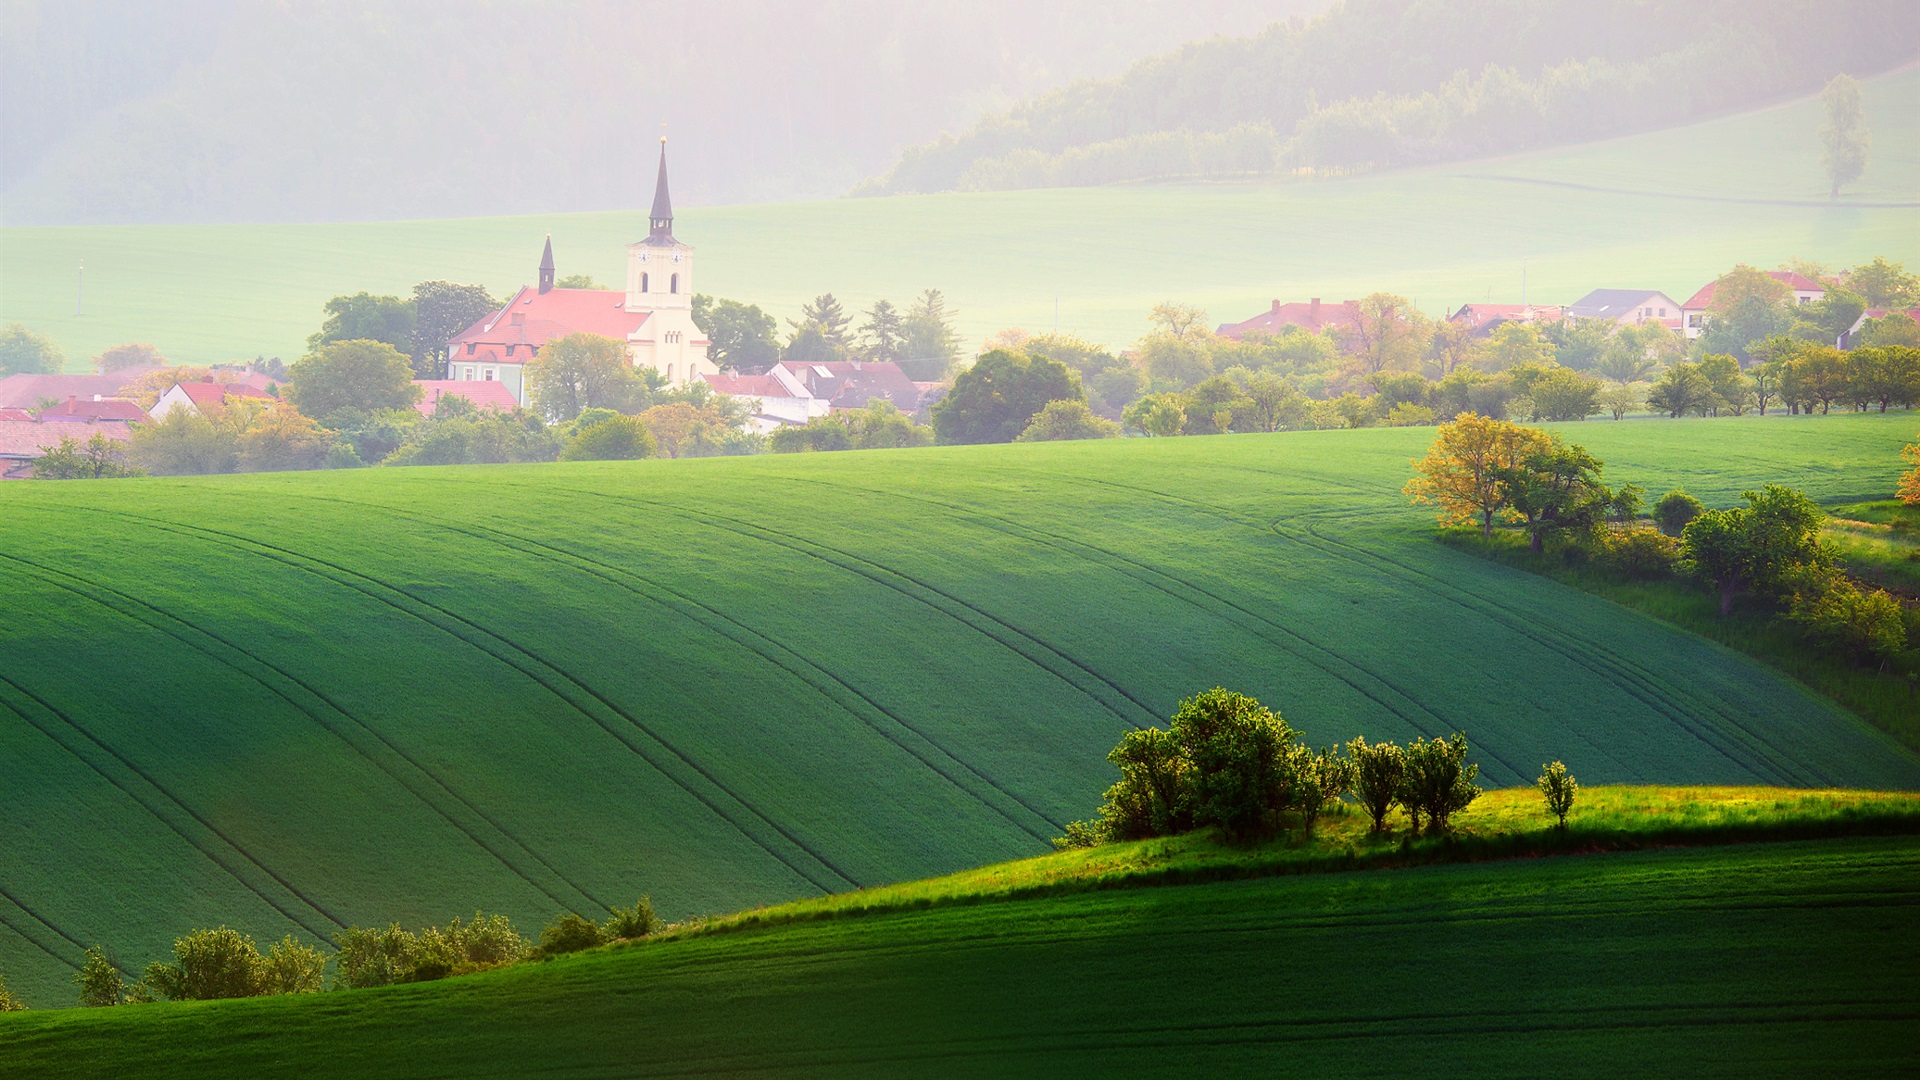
{"x": 1291, "y": 641}
{"x": 607, "y": 571}
{"x": 362, "y": 751}
{"x": 49, "y": 924}
{"x": 291, "y": 558}
{"x": 1612, "y": 669}
{"x": 169, "y": 822}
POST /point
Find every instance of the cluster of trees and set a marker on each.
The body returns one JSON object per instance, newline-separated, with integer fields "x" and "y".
{"x": 1391, "y": 82}
{"x": 920, "y": 338}
{"x": 225, "y": 963}
{"x": 1483, "y": 471}
{"x": 1801, "y": 375}
{"x": 25, "y": 352}
{"x": 418, "y": 325}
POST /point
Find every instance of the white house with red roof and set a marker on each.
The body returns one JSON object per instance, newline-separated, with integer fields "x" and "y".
{"x": 1312, "y": 316}
{"x": 653, "y": 315}
{"x": 1481, "y": 320}
{"x": 205, "y": 398}
{"x": 1805, "y": 291}
{"x": 792, "y": 393}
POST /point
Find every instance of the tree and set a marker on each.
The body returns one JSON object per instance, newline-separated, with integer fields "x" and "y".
{"x": 1387, "y": 334}
{"x": 822, "y": 434}
{"x": 352, "y": 374}
{"x": 131, "y": 355}
{"x": 681, "y": 428}
{"x": 100, "y": 982}
{"x": 1513, "y": 344}
{"x": 882, "y": 426}
{"x": 1066, "y": 420}
{"x": 1890, "y": 374}
{"x": 24, "y": 352}
{"x": 1580, "y": 343}
{"x": 1557, "y": 488}
{"x": 931, "y": 345}
{"x": 1180, "y": 320}
{"x": 1620, "y": 399}
{"x": 1564, "y": 395}
{"x": 1175, "y": 360}
{"x": 98, "y": 458}
{"x": 1893, "y": 328}
{"x": 1559, "y": 787}
{"x": 1817, "y": 375}
{"x": 1681, "y": 389}
{"x": 826, "y": 313}
{"x": 1834, "y": 313}
{"x": 613, "y": 438}
{"x": 1732, "y": 390}
{"x": 184, "y": 443}
{"x": 1744, "y": 281}
{"x": 1379, "y": 773}
{"x": 364, "y": 317}
{"x": 9, "y": 1003}
{"x": 1237, "y": 755}
{"x": 578, "y": 281}
{"x": 1268, "y": 402}
{"x": 1909, "y": 490}
{"x": 581, "y": 371}
{"x": 1157, "y": 415}
{"x": 1749, "y": 320}
{"x": 1674, "y": 510}
{"x": 1450, "y": 346}
{"x": 442, "y": 309}
{"x": 1844, "y": 139}
{"x": 810, "y": 345}
{"x": 208, "y": 965}
{"x": 1884, "y": 284}
{"x": 740, "y": 337}
{"x": 1869, "y": 624}
{"x": 883, "y": 335}
{"x": 1763, "y": 545}
{"x": 1461, "y": 473}
{"x": 275, "y": 437}
{"x": 1438, "y": 781}
{"x": 996, "y": 398}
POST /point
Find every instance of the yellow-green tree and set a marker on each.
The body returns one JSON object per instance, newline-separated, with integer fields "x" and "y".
{"x": 1910, "y": 483}
{"x": 1461, "y": 474}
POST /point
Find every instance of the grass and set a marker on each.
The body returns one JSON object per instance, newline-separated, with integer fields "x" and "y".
{"x": 293, "y": 702}
{"x": 1663, "y": 210}
{"x": 1776, "y": 959}
{"x": 1879, "y": 542}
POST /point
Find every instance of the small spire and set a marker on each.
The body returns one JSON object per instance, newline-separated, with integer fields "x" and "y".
{"x": 546, "y": 266}
{"x": 662, "y": 215}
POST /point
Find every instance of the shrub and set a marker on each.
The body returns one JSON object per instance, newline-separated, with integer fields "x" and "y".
{"x": 635, "y": 922}
{"x": 1148, "y": 799}
{"x": 613, "y": 438}
{"x": 209, "y": 964}
{"x": 1559, "y": 787}
{"x": 370, "y": 957}
{"x": 1438, "y": 782}
{"x": 343, "y": 456}
{"x": 570, "y": 933}
{"x": 1239, "y": 753}
{"x": 100, "y": 982}
{"x": 1079, "y": 834}
{"x": 292, "y": 968}
{"x": 1065, "y": 420}
{"x": 9, "y": 1003}
{"x": 1379, "y": 772}
{"x": 1323, "y": 776}
{"x": 1674, "y": 510}
{"x": 1638, "y": 552}
{"x": 1838, "y": 614}
{"x": 820, "y": 435}
{"x": 373, "y": 957}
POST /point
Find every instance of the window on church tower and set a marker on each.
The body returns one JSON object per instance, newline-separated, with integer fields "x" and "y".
{"x": 673, "y": 284}
{"x": 643, "y": 283}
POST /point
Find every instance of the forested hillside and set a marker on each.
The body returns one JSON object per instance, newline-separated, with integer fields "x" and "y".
{"x": 137, "y": 111}
{"x": 1378, "y": 83}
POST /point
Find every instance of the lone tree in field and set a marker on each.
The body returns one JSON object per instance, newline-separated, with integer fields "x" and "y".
{"x": 1844, "y": 138}
{"x": 1462, "y": 473}
{"x": 1765, "y": 545}
{"x": 1559, "y": 787}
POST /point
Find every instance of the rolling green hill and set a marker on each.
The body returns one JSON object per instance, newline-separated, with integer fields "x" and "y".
{"x": 1789, "y": 960}
{"x": 1675, "y": 209}
{"x": 292, "y": 702}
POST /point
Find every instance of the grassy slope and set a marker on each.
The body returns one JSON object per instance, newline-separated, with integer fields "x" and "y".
{"x": 1782, "y": 959}
{"x": 1442, "y": 236}
{"x": 300, "y": 700}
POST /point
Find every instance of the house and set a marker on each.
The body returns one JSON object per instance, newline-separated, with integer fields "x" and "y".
{"x": 792, "y": 393}
{"x": 1312, "y": 316}
{"x": 1481, "y": 320}
{"x": 484, "y": 395}
{"x": 653, "y": 314}
{"x": 1627, "y": 307}
{"x": 203, "y": 398}
{"x": 1805, "y": 291}
{"x": 1846, "y": 339}
{"x": 27, "y": 391}
{"x": 22, "y": 442}
{"x": 111, "y": 410}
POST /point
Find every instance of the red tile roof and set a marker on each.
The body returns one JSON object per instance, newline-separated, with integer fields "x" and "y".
{"x": 1312, "y": 316}
{"x": 24, "y": 439}
{"x": 16, "y": 414}
{"x": 853, "y": 384}
{"x": 206, "y": 395}
{"x": 1797, "y": 282}
{"x": 26, "y": 391}
{"x": 105, "y": 409}
{"x": 484, "y": 394}
{"x": 532, "y": 318}
{"x": 1479, "y": 315}
{"x": 760, "y": 386}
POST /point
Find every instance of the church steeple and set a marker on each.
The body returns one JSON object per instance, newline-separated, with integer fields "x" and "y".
{"x": 546, "y": 266}
{"x": 662, "y": 216}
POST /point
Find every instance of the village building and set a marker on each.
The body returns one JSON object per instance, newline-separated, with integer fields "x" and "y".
{"x": 485, "y": 396}
{"x": 653, "y": 314}
{"x": 25, "y": 440}
{"x": 1481, "y": 320}
{"x": 1312, "y": 316}
{"x": 28, "y": 390}
{"x": 1849, "y": 337}
{"x": 1805, "y": 291}
{"x": 204, "y": 398}
{"x": 1627, "y": 307}
{"x": 792, "y": 393}
{"x": 109, "y": 410}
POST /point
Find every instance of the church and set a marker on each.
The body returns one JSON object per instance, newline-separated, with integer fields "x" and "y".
{"x": 654, "y": 315}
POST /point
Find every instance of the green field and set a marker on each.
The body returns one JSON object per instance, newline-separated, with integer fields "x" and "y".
{"x": 1783, "y": 959}
{"x": 1669, "y": 210}
{"x": 292, "y": 702}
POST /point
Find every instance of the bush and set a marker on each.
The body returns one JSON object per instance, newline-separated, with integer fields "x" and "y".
{"x": 819, "y": 435}
{"x": 1438, "y": 781}
{"x": 343, "y": 456}
{"x": 1239, "y": 753}
{"x": 613, "y": 438}
{"x": 1638, "y": 552}
{"x": 207, "y": 965}
{"x": 100, "y": 982}
{"x": 1066, "y": 420}
{"x": 1379, "y": 772}
{"x": 373, "y": 957}
{"x": 1324, "y": 776}
{"x": 1836, "y": 613}
{"x": 1674, "y": 510}
{"x": 379, "y": 957}
{"x": 570, "y": 933}
{"x": 1559, "y": 787}
{"x": 9, "y": 1003}
{"x": 635, "y": 922}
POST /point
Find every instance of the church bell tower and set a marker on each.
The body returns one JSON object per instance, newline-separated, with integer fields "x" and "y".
{"x": 660, "y": 282}
{"x": 546, "y": 266}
